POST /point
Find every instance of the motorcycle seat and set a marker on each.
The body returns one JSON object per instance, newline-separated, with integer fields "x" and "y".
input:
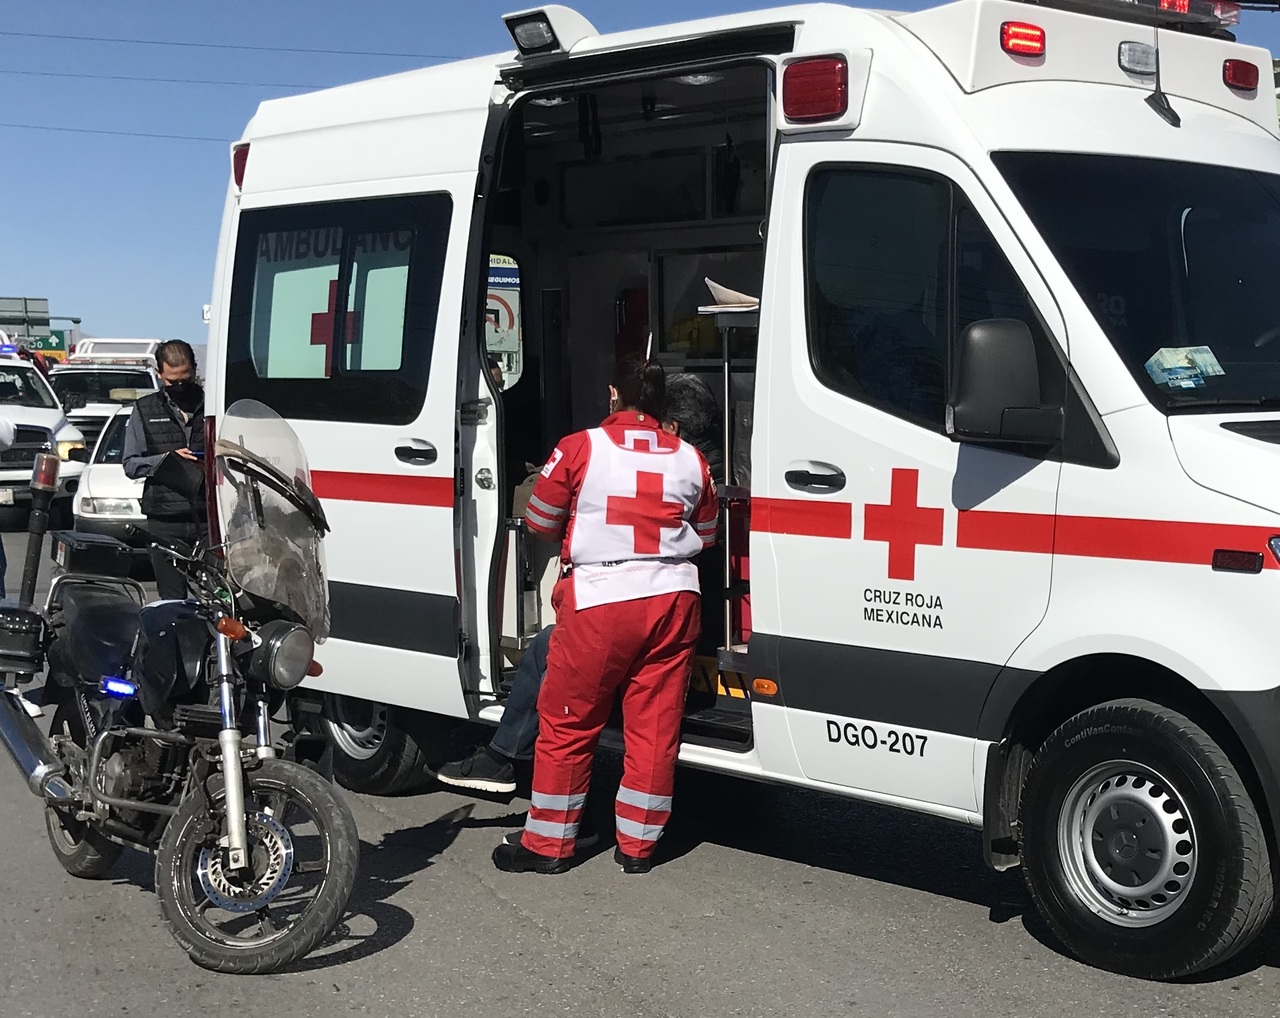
{"x": 101, "y": 627}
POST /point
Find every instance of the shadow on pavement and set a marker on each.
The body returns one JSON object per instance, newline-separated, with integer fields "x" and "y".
{"x": 385, "y": 869}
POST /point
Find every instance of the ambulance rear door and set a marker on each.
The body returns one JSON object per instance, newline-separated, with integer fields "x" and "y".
{"x": 344, "y": 314}
{"x": 894, "y": 571}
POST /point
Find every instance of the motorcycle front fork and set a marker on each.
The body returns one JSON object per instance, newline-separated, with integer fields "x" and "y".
{"x": 236, "y": 840}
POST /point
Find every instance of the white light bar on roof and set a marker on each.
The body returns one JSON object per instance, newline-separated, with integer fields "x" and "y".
{"x": 546, "y": 30}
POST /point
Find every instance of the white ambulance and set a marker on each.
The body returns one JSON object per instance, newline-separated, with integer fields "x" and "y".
{"x": 1000, "y": 381}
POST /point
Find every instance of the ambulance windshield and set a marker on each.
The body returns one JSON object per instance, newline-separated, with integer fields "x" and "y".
{"x": 1179, "y": 263}
{"x": 272, "y": 523}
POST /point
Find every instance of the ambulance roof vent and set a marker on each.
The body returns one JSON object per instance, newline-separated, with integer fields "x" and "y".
{"x": 547, "y": 31}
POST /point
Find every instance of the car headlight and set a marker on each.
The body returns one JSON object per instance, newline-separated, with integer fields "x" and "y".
{"x": 110, "y": 507}
{"x": 284, "y": 655}
{"x": 64, "y": 449}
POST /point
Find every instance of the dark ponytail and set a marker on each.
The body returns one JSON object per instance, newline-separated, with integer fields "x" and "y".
{"x": 641, "y": 385}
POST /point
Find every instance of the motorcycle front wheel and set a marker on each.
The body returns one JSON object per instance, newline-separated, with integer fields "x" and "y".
{"x": 304, "y": 854}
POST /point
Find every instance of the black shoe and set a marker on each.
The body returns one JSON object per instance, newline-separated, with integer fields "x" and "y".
{"x": 588, "y": 836}
{"x": 483, "y": 771}
{"x": 631, "y": 863}
{"x": 518, "y": 859}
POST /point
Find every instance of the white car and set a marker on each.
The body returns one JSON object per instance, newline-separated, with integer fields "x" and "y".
{"x": 92, "y": 392}
{"x": 41, "y": 426}
{"x": 108, "y": 502}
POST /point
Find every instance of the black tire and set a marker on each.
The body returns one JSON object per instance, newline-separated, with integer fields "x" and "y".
{"x": 81, "y": 849}
{"x": 381, "y": 750}
{"x": 192, "y": 828}
{"x": 1128, "y": 792}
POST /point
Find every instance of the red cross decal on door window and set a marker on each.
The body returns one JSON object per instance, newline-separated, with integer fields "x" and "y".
{"x": 904, "y": 524}
{"x": 322, "y": 327}
{"x": 647, "y": 513}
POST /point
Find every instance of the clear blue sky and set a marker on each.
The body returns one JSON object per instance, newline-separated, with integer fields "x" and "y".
{"x": 122, "y": 230}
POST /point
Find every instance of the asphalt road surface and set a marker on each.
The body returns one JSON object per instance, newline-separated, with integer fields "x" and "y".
{"x": 768, "y": 901}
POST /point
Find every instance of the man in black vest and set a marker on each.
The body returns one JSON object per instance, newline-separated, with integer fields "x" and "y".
{"x": 164, "y": 442}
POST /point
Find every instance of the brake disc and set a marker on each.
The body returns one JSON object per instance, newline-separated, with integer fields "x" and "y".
{"x": 270, "y": 866}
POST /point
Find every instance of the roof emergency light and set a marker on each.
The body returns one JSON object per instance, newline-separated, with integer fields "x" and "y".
{"x": 545, "y": 30}
{"x": 1240, "y": 75}
{"x": 816, "y": 89}
{"x": 1021, "y": 39}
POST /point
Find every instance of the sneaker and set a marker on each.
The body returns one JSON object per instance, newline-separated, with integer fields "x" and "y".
{"x": 587, "y": 836}
{"x": 631, "y": 863}
{"x": 518, "y": 859}
{"x": 482, "y": 771}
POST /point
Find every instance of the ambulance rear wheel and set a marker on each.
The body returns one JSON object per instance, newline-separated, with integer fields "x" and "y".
{"x": 1141, "y": 846}
{"x": 381, "y": 750}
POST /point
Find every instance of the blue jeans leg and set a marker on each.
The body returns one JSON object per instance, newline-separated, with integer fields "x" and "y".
{"x": 518, "y": 729}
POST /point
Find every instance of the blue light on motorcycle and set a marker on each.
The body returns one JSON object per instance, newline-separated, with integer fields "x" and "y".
{"x": 118, "y": 688}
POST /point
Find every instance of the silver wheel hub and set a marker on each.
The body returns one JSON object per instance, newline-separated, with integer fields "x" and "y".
{"x": 1128, "y": 844}
{"x": 271, "y": 864}
{"x": 357, "y": 728}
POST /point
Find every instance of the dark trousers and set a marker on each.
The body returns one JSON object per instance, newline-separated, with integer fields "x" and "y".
{"x": 518, "y": 729}
{"x": 171, "y": 582}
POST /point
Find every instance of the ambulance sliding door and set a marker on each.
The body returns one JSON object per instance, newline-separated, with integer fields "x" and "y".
{"x": 879, "y": 586}
{"x": 344, "y": 319}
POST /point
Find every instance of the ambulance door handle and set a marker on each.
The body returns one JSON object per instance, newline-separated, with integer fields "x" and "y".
{"x": 802, "y": 478}
{"x": 416, "y": 452}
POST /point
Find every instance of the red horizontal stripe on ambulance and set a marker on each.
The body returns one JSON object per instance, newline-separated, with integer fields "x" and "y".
{"x": 1106, "y": 537}
{"x": 803, "y": 517}
{"x": 388, "y": 488}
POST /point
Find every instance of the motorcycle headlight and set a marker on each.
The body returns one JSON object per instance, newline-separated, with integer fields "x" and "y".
{"x": 284, "y": 655}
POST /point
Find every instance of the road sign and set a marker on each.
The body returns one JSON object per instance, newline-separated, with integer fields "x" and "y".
{"x": 25, "y": 318}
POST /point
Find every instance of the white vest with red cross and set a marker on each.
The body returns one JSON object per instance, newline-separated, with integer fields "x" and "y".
{"x": 634, "y": 531}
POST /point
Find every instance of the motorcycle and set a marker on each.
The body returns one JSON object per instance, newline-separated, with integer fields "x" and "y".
{"x": 162, "y": 734}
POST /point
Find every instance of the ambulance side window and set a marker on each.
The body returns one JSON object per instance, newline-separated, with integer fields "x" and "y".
{"x": 898, "y": 264}
{"x": 333, "y": 308}
{"x": 877, "y": 287}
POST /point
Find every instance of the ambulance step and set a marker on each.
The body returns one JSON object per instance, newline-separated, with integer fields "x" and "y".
{"x": 719, "y": 724}
{"x": 733, "y": 659}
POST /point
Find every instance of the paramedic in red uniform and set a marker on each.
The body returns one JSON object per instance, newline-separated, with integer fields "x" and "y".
{"x": 634, "y": 505}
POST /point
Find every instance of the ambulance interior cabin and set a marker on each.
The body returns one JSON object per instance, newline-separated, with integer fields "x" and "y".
{"x": 614, "y": 205}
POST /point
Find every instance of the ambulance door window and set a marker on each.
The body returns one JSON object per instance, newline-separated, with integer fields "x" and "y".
{"x": 333, "y": 308}
{"x": 878, "y": 289}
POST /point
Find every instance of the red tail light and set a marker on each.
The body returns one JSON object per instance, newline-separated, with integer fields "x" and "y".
{"x": 211, "y": 481}
{"x": 816, "y": 89}
{"x": 1021, "y": 39}
{"x": 1240, "y": 75}
{"x": 239, "y": 160}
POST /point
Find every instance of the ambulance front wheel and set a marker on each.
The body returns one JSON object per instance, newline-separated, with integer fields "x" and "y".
{"x": 382, "y": 750}
{"x": 1141, "y": 846}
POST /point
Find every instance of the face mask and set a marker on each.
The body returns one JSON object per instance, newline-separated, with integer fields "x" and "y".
{"x": 186, "y": 396}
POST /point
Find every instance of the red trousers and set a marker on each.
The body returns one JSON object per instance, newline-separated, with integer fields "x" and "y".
{"x": 643, "y": 649}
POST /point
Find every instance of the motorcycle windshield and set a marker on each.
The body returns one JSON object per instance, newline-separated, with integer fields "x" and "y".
{"x": 272, "y": 523}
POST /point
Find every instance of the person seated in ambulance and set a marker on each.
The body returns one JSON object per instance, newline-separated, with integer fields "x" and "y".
{"x": 634, "y": 504}
{"x": 694, "y": 415}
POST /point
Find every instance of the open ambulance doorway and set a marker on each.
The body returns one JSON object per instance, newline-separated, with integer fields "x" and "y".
{"x": 617, "y": 205}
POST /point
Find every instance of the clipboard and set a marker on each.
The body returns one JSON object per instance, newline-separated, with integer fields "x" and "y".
{"x": 182, "y": 475}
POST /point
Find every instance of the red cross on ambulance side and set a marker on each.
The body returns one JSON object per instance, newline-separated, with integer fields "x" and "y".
{"x": 903, "y": 524}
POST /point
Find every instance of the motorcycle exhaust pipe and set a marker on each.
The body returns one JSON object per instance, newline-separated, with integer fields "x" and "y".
{"x": 31, "y": 752}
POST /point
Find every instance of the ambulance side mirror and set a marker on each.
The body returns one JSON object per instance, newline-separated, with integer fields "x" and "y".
{"x": 995, "y": 395}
